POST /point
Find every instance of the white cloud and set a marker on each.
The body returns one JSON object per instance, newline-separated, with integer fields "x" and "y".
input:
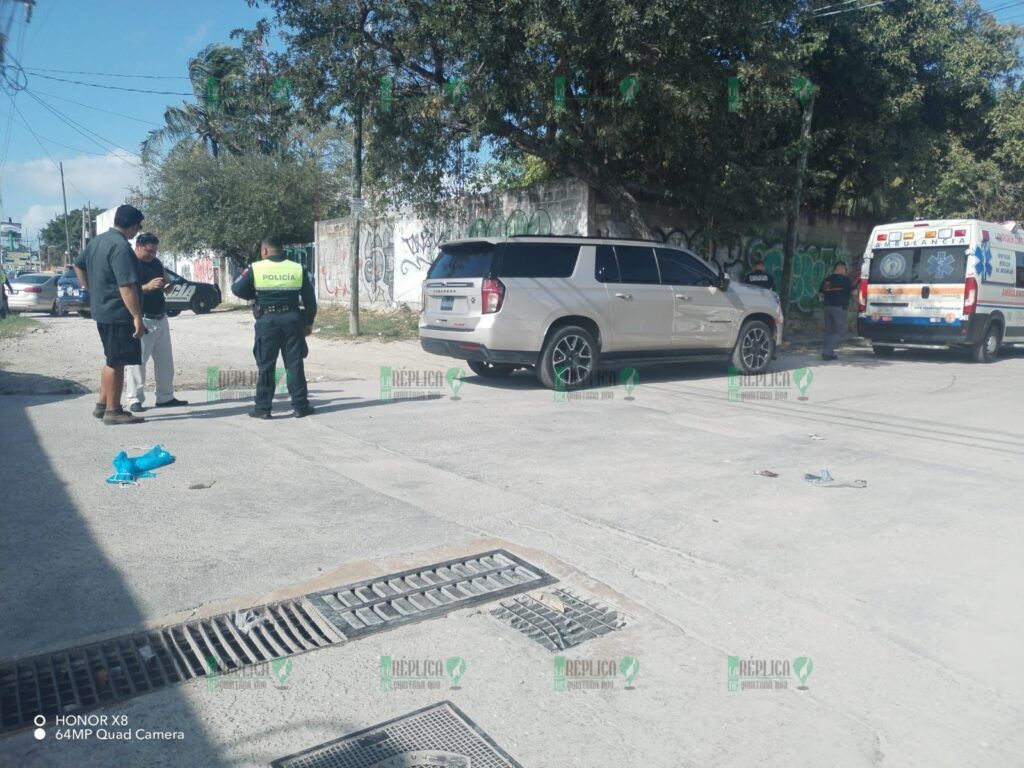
{"x": 104, "y": 178}
{"x": 190, "y": 45}
{"x": 32, "y": 187}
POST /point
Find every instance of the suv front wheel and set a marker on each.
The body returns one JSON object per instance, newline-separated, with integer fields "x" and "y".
{"x": 568, "y": 359}
{"x": 754, "y": 348}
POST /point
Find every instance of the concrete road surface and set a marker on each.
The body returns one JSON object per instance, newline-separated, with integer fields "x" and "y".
{"x": 905, "y": 595}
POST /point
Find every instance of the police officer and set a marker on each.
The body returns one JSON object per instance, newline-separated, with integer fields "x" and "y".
{"x": 757, "y": 276}
{"x": 277, "y": 284}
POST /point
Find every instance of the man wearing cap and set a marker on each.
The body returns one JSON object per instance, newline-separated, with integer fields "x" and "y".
{"x": 156, "y": 343}
{"x": 277, "y": 284}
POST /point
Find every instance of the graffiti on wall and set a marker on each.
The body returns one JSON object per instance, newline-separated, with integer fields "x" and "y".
{"x": 516, "y": 223}
{"x": 377, "y": 262}
{"x": 333, "y": 268}
{"x": 811, "y": 263}
{"x": 197, "y": 268}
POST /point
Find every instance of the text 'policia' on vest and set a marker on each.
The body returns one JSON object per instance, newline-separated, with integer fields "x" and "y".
{"x": 277, "y": 275}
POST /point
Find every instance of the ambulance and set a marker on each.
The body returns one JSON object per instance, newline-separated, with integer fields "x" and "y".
{"x": 954, "y": 283}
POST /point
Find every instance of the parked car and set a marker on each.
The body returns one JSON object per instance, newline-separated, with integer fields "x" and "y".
{"x": 185, "y": 294}
{"x": 569, "y": 306}
{"x": 34, "y": 292}
{"x": 70, "y": 296}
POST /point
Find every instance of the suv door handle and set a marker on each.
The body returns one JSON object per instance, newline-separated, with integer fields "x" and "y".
{"x": 683, "y": 297}
{"x": 626, "y": 296}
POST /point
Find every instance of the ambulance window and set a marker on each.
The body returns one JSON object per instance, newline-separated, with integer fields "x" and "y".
{"x": 1020, "y": 269}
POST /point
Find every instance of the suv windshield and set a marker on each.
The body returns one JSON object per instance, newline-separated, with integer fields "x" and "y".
{"x": 463, "y": 260}
{"x": 939, "y": 264}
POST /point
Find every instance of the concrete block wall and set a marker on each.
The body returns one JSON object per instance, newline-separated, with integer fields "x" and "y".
{"x": 395, "y": 251}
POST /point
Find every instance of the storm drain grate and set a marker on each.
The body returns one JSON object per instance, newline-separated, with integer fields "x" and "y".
{"x": 438, "y": 735}
{"x": 381, "y": 604}
{"x": 561, "y": 622}
{"x": 101, "y": 673}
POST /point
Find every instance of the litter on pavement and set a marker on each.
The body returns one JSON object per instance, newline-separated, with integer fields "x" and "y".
{"x": 766, "y": 473}
{"x": 129, "y": 469}
{"x": 825, "y": 480}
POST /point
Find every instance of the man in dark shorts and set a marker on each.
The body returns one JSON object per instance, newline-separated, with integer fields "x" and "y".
{"x": 106, "y": 268}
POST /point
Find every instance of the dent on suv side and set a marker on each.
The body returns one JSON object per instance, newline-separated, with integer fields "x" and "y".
{"x": 569, "y": 306}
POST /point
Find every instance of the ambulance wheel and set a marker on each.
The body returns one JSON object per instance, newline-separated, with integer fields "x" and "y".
{"x": 883, "y": 351}
{"x": 987, "y": 350}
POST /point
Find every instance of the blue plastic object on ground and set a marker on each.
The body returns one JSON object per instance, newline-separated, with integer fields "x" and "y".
{"x": 129, "y": 469}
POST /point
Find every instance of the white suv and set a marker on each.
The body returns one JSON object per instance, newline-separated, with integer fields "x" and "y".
{"x": 568, "y": 306}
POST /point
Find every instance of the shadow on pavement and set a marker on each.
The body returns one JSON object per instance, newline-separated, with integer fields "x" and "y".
{"x": 59, "y": 587}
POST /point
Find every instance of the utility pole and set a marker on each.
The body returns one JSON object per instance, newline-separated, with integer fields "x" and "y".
{"x": 356, "y": 208}
{"x": 793, "y": 217}
{"x": 67, "y": 232}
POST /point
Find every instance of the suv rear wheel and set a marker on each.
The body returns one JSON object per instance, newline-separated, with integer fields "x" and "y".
{"x": 568, "y": 358}
{"x": 490, "y": 370}
{"x": 754, "y": 348}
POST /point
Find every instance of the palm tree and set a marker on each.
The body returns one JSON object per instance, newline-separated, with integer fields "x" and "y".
{"x": 217, "y": 74}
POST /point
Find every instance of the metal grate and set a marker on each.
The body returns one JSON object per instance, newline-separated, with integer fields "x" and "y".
{"x": 402, "y": 598}
{"x": 113, "y": 670}
{"x": 438, "y": 735}
{"x": 560, "y": 623}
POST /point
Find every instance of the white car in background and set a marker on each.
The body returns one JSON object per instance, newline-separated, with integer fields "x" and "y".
{"x": 34, "y": 292}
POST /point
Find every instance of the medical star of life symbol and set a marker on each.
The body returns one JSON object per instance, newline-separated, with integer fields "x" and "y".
{"x": 940, "y": 264}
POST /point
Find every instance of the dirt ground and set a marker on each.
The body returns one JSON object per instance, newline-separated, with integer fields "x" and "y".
{"x": 68, "y": 349}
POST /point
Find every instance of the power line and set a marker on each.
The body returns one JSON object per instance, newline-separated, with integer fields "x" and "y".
{"x": 98, "y": 109}
{"x": 65, "y": 146}
{"x": 40, "y": 143}
{"x": 112, "y": 87}
{"x": 850, "y": 10}
{"x": 75, "y": 125}
{"x": 107, "y": 74}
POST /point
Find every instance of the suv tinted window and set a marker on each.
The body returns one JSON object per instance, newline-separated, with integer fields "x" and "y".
{"x": 606, "y": 268}
{"x": 538, "y": 260}
{"x": 636, "y": 264}
{"x": 465, "y": 260}
{"x": 678, "y": 268}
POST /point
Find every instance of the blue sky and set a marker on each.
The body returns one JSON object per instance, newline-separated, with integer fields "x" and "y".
{"x": 135, "y": 37}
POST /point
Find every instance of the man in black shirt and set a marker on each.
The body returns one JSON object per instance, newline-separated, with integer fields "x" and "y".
{"x": 157, "y": 341}
{"x": 836, "y": 290}
{"x": 759, "y": 277}
{"x": 106, "y": 269}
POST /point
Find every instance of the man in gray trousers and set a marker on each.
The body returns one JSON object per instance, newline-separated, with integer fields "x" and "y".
{"x": 836, "y": 290}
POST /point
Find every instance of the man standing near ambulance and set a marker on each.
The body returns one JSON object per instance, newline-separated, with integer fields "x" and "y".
{"x": 835, "y": 290}
{"x": 277, "y": 284}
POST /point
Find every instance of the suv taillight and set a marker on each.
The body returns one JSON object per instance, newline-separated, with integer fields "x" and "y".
{"x": 970, "y": 296}
{"x": 862, "y": 296}
{"x": 492, "y": 294}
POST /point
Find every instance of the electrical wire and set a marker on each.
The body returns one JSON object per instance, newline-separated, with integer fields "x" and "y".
{"x": 106, "y": 74}
{"x": 98, "y": 109}
{"x": 112, "y": 87}
{"x": 88, "y": 133}
{"x": 60, "y": 144}
{"x": 41, "y": 146}
{"x": 850, "y": 10}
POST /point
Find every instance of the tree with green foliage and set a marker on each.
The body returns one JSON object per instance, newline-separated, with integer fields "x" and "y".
{"x": 228, "y": 203}
{"x": 53, "y": 233}
{"x": 627, "y": 97}
{"x": 239, "y": 106}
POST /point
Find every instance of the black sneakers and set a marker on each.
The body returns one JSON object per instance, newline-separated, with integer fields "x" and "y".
{"x": 307, "y": 410}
